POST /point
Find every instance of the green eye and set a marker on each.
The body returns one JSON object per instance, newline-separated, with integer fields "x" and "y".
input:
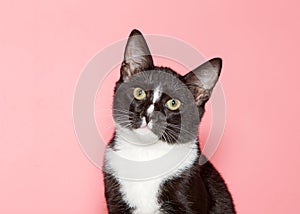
{"x": 173, "y": 104}
{"x": 139, "y": 93}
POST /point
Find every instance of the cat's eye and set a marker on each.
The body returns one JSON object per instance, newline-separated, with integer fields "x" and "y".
{"x": 173, "y": 104}
{"x": 139, "y": 93}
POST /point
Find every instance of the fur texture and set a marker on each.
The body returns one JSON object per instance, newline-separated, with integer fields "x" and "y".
{"x": 157, "y": 112}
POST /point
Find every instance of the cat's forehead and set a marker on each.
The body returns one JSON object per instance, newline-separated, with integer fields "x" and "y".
{"x": 157, "y": 81}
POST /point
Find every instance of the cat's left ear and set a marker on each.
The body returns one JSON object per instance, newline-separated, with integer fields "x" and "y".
{"x": 137, "y": 56}
{"x": 202, "y": 80}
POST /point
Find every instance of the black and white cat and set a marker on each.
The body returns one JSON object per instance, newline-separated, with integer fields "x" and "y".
{"x": 157, "y": 113}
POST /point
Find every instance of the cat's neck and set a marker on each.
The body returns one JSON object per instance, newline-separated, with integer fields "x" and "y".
{"x": 131, "y": 145}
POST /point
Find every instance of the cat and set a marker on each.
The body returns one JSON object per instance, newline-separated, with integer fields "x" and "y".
{"x": 157, "y": 111}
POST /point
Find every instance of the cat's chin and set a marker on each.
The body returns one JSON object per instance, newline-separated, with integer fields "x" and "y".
{"x": 142, "y": 136}
{"x": 143, "y": 130}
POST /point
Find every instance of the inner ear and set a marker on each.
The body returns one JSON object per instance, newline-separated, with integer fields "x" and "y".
{"x": 202, "y": 79}
{"x": 137, "y": 56}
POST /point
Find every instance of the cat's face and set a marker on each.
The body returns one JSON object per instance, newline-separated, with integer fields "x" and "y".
{"x": 156, "y": 102}
{"x": 153, "y": 103}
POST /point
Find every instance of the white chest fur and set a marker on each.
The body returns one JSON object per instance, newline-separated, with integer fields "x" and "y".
{"x": 143, "y": 194}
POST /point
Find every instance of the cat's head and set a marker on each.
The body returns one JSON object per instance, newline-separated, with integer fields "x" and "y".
{"x": 155, "y": 103}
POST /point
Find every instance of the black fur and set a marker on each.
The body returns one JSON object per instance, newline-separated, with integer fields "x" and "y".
{"x": 199, "y": 189}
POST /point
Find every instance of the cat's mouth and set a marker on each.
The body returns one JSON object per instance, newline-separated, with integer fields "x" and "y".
{"x": 142, "y": 136}
{"x": 143, "y": 130}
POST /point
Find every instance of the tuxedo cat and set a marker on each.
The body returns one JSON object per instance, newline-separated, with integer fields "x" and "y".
{"x": 157, "y": 112}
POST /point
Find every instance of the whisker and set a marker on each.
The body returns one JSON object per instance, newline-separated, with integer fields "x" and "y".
{"x": 181, "y": 129}
{"x": 115, "y": 109}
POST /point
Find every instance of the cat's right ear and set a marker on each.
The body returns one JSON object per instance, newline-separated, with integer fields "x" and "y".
{"x": 137, "y": 56}
{"x": 202, "y": 79}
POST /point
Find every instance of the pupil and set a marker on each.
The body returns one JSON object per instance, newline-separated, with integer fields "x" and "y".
{"x": 173, "y": 102}
{"x": 140, "y": 92}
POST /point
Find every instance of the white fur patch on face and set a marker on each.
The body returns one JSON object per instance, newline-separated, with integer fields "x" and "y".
{"x": 156, "y": 94}
{"x": 144, "y": 123}
{"x": 150, "y": 109}
{"x": 150, "y": 124}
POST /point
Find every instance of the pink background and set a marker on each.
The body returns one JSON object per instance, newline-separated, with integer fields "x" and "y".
{"x": 44, "y": 47}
